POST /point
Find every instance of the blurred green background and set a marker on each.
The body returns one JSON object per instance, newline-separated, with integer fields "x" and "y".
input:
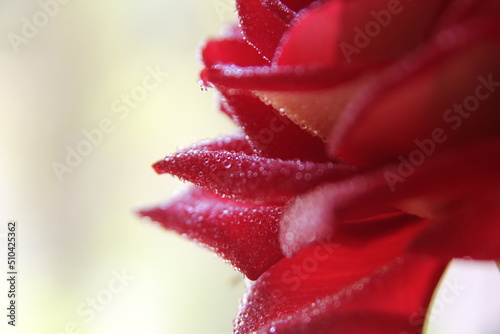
{"x": 76, "y": 234}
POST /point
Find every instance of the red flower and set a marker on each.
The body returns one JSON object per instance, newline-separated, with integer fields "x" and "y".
{"x": 369, "y": 158}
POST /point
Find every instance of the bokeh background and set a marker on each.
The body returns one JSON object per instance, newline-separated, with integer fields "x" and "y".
{"x": 74, "y": 234}
{"x": 77, "y": 233}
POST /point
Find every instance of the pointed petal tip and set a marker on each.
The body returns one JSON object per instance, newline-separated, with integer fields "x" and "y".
{"x": 159, "y": 167}
{"x": 243, "y": 234}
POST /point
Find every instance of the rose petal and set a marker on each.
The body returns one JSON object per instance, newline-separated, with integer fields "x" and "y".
{"x": 357, "y": 275}
{"x": 262, "y": 25}
{"x": 315, "y": 111}
{"x": 280, "y": 10}
{"x": 422, "y": 94}
{"x": 432, "y": 188}
{"x": 390, "y": 302}
{"x": 233, "y": 143}
{"x": 297, "y": 5}
{"x": 247, "y": 177}
{"x": 471, "y": 230}
{"x": 357, "y": 30}
{"x": 244, "y": 234}
{"x": 231, "y": 49}
{"x": 338, "y": 23}
{"x": 284, "y": 78}
{"x": 269, "y": 133}
{"x": 460, "y": 11}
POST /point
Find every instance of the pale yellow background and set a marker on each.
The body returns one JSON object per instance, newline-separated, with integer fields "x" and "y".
{"x": 73, "y": 234}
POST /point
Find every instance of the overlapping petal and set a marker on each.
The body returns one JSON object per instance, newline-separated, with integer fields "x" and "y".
{"x": 357, "y": 30}
{"x": 270, "y": 133}
{"x": 232, "y": 143}
{"x": 347, "y": 33}
{"x": 452, "y": 86}
{"x": 297, "y": 5}
{"x": 359, "y": 281}
{"x": 437, "y": 187}
{"x": 376, "y": 84}
{"x": 244, "y": 234}
{"x": 249, "y": 177}
{"x": 459, "y": 11}
{"x": 283, "y": 78}
{"x": 231, "y": 49}
{"x": 265, "y": 21}
{"x": 263, "y": 24}
{"x": 471, "y": 230}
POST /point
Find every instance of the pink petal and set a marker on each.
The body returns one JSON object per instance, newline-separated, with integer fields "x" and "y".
{"x": 244, "y": 234}
{"x": 357, "y": 282}
{"x": 418, "y": 96}
{"x": 247, "y": 177}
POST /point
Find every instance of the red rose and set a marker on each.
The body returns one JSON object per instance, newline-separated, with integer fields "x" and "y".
{"x": 368, "y": 157}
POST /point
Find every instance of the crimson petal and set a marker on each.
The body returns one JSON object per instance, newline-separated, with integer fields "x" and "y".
{"x": 284, "y": 78}
{"x": 271, "y": 134}
{"x": 262, "y": 25}
{"x": 231, "y": 49}
{"x": 280, "y": 10}
{"x": 359, "y": 274}
{"x": 432, "y": 188}
{"x": 247, "y": 177}
{"x": 478, "y": 234}
{"x": 244, "y": 234}
{"x": 460, "y": 65}
{"x": 393, "y": 300}
{"x": 233, "y": 143}
{"x": 330, "y": 34}
{"x": 461, "y": 10}
{"x": 297, "y": 5}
